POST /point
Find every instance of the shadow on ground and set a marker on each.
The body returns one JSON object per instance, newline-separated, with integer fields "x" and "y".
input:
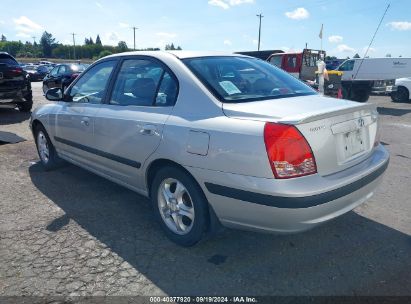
{"x": 350, "y": 255}
{"x": 393, "y": 111}
{"x": 12, "y": 116}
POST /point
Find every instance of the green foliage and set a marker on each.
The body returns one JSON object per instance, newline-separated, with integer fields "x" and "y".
{"x": 47, "y": 43}
{"x": 50, "y": 48}
{"x": 171, "y": 47}
{"x": 122, "y": 47}
{"x": 104, "y": 54}
{"x": 98, "y": 40}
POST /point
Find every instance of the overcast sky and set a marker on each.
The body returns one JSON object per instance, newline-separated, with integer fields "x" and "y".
{"x": 230, "y": 25}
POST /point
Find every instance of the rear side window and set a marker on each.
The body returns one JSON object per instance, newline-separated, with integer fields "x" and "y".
{"x": 6, "y": 59}
{"x": 143, "y": 82}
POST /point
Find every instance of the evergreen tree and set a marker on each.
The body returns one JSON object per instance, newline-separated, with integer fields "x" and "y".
{"x": 47, "y": 43}
{"x": 98, "y": 40}
{"x": 3, "y": 38}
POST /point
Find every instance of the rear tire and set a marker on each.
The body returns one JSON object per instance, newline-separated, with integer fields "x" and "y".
{"x": 180, "y": 206}
{"x": 360, "y": 95}
{"x": 45, "y": 149}
{"x": 401, "y": 95}
{"x": 26, "y": 106}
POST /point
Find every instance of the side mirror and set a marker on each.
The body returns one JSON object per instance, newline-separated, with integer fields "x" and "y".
{"x": 54, "y": 94}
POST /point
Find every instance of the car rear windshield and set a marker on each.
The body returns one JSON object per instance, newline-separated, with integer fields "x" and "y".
{"x": 7, "y": 60}
{"x": 242, "y": 79}
{"x": 77, "y": 68}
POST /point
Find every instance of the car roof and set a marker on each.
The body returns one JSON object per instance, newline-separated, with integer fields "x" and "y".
{"x": 178, "y": 54}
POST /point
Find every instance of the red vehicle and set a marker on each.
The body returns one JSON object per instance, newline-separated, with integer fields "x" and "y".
{"x": 302, "y": 65}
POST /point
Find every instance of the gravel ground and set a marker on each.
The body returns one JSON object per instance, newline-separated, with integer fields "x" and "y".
{"x": 70, "y": 232}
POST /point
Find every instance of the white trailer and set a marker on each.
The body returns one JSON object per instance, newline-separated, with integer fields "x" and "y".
{"x": 363, "y": 76}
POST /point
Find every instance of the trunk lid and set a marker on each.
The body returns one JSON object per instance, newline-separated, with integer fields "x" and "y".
{"x": 341, "y": 133}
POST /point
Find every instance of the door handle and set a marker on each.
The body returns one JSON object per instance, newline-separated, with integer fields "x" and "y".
{"x": 148, "y": 130}
{"x": 85, "y": 121}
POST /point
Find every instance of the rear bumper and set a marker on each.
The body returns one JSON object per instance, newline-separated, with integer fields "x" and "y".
{"x": 292, "y": 205}
{"x": 13, "y": 96}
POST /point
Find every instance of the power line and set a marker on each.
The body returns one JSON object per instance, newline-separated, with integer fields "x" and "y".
{"x": 259, "y": 29}
{"x": 372, "y": 40}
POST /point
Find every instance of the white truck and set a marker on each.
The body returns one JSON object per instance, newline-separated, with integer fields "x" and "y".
{"x": 372, "y": 75}
{"x": 402, "y": 94}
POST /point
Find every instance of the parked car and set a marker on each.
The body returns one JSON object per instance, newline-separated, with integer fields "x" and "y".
{"x": 61, "y": 76}
{"x": 37, "y": 73}
{"x": 15, "y": 87}
{"x": 402, "y": 90}
{"x": 213, "y": 140}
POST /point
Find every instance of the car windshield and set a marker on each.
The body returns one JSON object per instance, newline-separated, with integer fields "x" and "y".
{"x": 77, "y": 68}
{"x": 243, "y": 79}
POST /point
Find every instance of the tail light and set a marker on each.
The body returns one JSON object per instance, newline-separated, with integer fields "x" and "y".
{"x": 16, "y": 71}
{"x": 288, "y": 151}
{"x": 74, "y": 76}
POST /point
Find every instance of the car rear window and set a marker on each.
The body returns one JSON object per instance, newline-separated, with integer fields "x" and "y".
{"x": 243, "y": 79}
{"x": 7, "y": 59}
{"x": 76, "y": 68}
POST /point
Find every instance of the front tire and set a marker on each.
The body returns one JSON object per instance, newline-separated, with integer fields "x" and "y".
{"x": 45, "y": 88}
{"x": 47, "y": 153}
{"x": 180, "y": 206}
{"x": 401, "y": 95}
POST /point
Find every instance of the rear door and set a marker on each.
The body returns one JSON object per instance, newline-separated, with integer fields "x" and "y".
{"x": 129, "y": 127}
{"x": 74, "y": 123}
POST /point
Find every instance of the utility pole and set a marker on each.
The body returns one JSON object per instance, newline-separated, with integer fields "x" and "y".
{"x": 34, "y": 40}
{"x": 134, "y": 31}
{"x": 74, "y": 45}
{"x": 259, "y": 30}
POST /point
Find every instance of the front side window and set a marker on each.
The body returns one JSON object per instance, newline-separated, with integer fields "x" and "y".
{"x": 62, "y": 70}
{"x": 54, "y": 71}
{"x": 276, "y": 60}
{"x": 92, "y": 85}
{"x": 347, "y": 66}
{"x": 142, "y": 82}
{"x": 243, "y": 79}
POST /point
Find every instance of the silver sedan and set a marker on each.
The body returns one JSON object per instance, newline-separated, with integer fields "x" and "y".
{"x": 215, "y": 140}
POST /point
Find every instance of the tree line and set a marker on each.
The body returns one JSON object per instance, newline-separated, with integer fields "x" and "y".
{"x": 48, "y": 47}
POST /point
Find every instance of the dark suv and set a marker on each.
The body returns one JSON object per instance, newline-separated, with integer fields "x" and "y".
{"x": 15, "y": 87}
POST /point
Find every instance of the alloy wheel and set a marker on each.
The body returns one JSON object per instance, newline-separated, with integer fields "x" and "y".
{"x": 176, "y": 206}
{"x": 43, "y": 147}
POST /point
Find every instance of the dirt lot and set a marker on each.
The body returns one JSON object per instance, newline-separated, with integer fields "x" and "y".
{"x": 69, "y": 232}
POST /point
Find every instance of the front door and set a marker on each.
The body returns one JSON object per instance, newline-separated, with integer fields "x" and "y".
{"x": 75, "y": 120}
{"x": 129, "y": 127}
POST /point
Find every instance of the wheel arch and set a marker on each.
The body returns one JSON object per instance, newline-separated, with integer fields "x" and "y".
{"x": 35, "y": 123}
{"x": 214, "y": 224}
